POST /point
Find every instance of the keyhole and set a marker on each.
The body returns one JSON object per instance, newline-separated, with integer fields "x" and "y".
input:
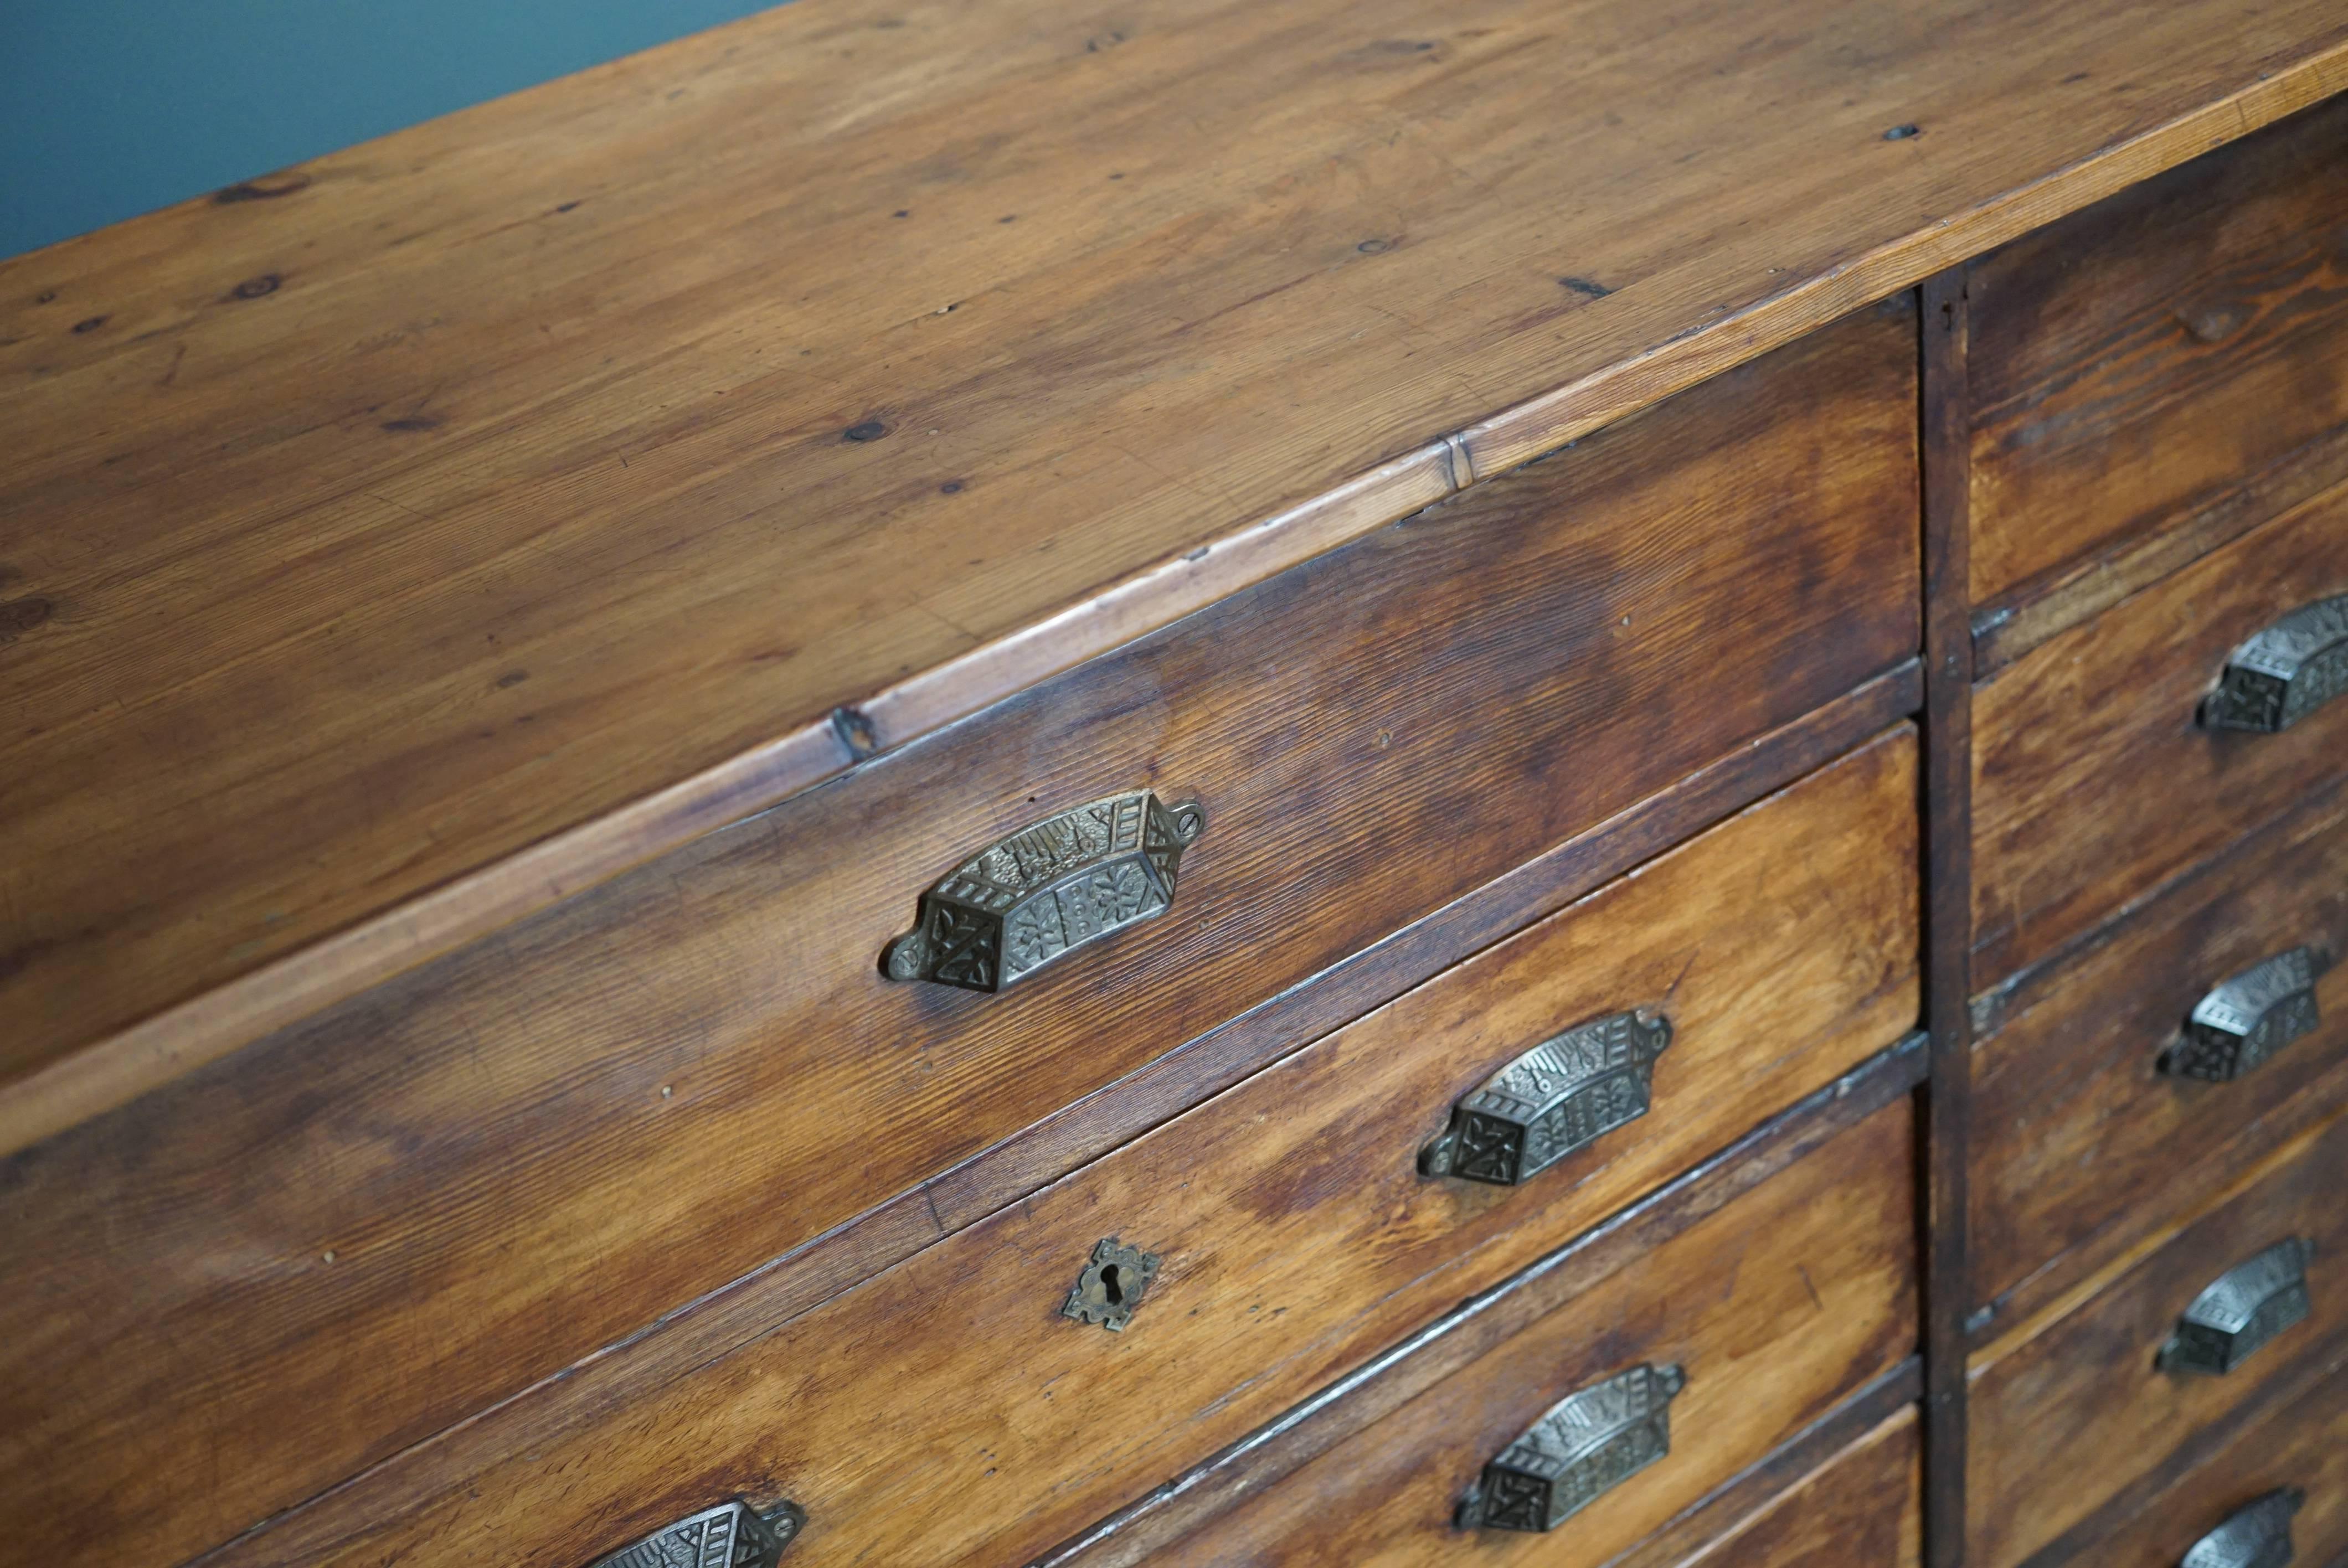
{"x": 1110, "y": 1289}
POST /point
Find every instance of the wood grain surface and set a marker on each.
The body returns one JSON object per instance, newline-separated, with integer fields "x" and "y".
{"x": 1776, "y": 1309}
{"x": 716, "y": 1324}
{"x": 2069, "y": 1408}
{"x": 540, "y": 1144}
{"x": 2304, "y": 1445}
{"x": 1513, "y": 665}
{"x": 2077, "y": 1134}
{"x": 400, "y": 543}
{"x": 2093, "y": 779}
{"x": 1863, "y": 1509}
{"x": 2139, "y": 364}
{"x": 1367, "y": 1395}
{"x": 1944, "y": 348}
{"x": 1296, "y": 1232}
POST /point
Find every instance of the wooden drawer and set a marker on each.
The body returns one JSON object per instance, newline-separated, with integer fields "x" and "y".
{"x": 2077, "y": 1126}
{"x": 2162, "y": 369}
{"x": 2071, "y": 1409}
{"x": 2302, "y": 1447}
{"x": 2094, "y": 779}
{"x": 948, "y": 1411}
{"x": 1864, "y": 1507}
{"x": 537, "y": 1145}
{"x": 1775, "y": 1308}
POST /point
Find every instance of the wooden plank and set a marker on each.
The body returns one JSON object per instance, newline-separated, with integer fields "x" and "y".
{"x": 1788, "y": 930}
{"x": 2293, "y": 1434}
{"x": 2093, "y": 781}
{"x": 1517, "y": 662}
{"x": 2078, "y": 1135}
{"x": 2071, "y": 1411}
{"x": 2004, "y": 631}
{"x": 2140, "y": 361}
{"x": 729, "y": 1318}
{"x": 1296, "y": 1233}
{"x": 1354, "y": 1403}
{"x": 1864, "y": 1507}
{"x": 408, "y": 540}
{"x": 559, "y": 1502}
{"x": 1945, "y": 324}
{"x": 1371, "y": 736}
{"x": 1765, "y": 1356}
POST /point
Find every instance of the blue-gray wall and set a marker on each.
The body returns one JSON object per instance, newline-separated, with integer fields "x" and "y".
{"x": 110, "y": 107}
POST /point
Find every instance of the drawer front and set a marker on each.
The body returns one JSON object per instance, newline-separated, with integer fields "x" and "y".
{"x": 2084, "y": 1106}
{"x": 958, "y": 1407}
{"x": 1774, "y": 1308}
{"x": 2301, "y": 1448}
{"x": 2167, "y": 359}
{"x": 2094, "y": 776}
{"x": 538, "y": 1145}
{"x": 1864, "y": 1507}
{"x": 2068, "y": 1412}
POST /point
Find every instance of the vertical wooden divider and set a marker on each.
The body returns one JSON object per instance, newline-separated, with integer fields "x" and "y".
{"x": 1945, "y": 448}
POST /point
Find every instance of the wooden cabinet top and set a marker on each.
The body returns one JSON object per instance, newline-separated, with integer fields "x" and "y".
{"x": 392, "y": 545}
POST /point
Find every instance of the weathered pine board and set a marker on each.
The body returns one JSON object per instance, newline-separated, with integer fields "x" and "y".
{"x": 397, "y": 544}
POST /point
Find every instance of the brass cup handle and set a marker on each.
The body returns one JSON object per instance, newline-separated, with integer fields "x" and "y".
{"x": 1046, "y": 891}
{"x": 2256, "y": 1536}
{"x": 1560, "y": 1096}
{"x": 2285, "y": 672}
{"x": 2249, "y": 1017}
{"x": 2236, "y": 1313}
{"x": 1582, "y": 1447}
{"x": 730, "y": 1535}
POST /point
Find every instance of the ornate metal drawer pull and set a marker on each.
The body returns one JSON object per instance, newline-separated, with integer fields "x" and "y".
{"x": 2240, "y": 1310}
{"x": 2285, "y": 672}
{"x": 730, "y": 1535}
{"x": 2258, "y": 1536}
{"x": 1561, "y": 1095}
{"x": 1587, "y": 1443}
{"x": 2247, "y": 1018}
{"x": 1046, "y": 890}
